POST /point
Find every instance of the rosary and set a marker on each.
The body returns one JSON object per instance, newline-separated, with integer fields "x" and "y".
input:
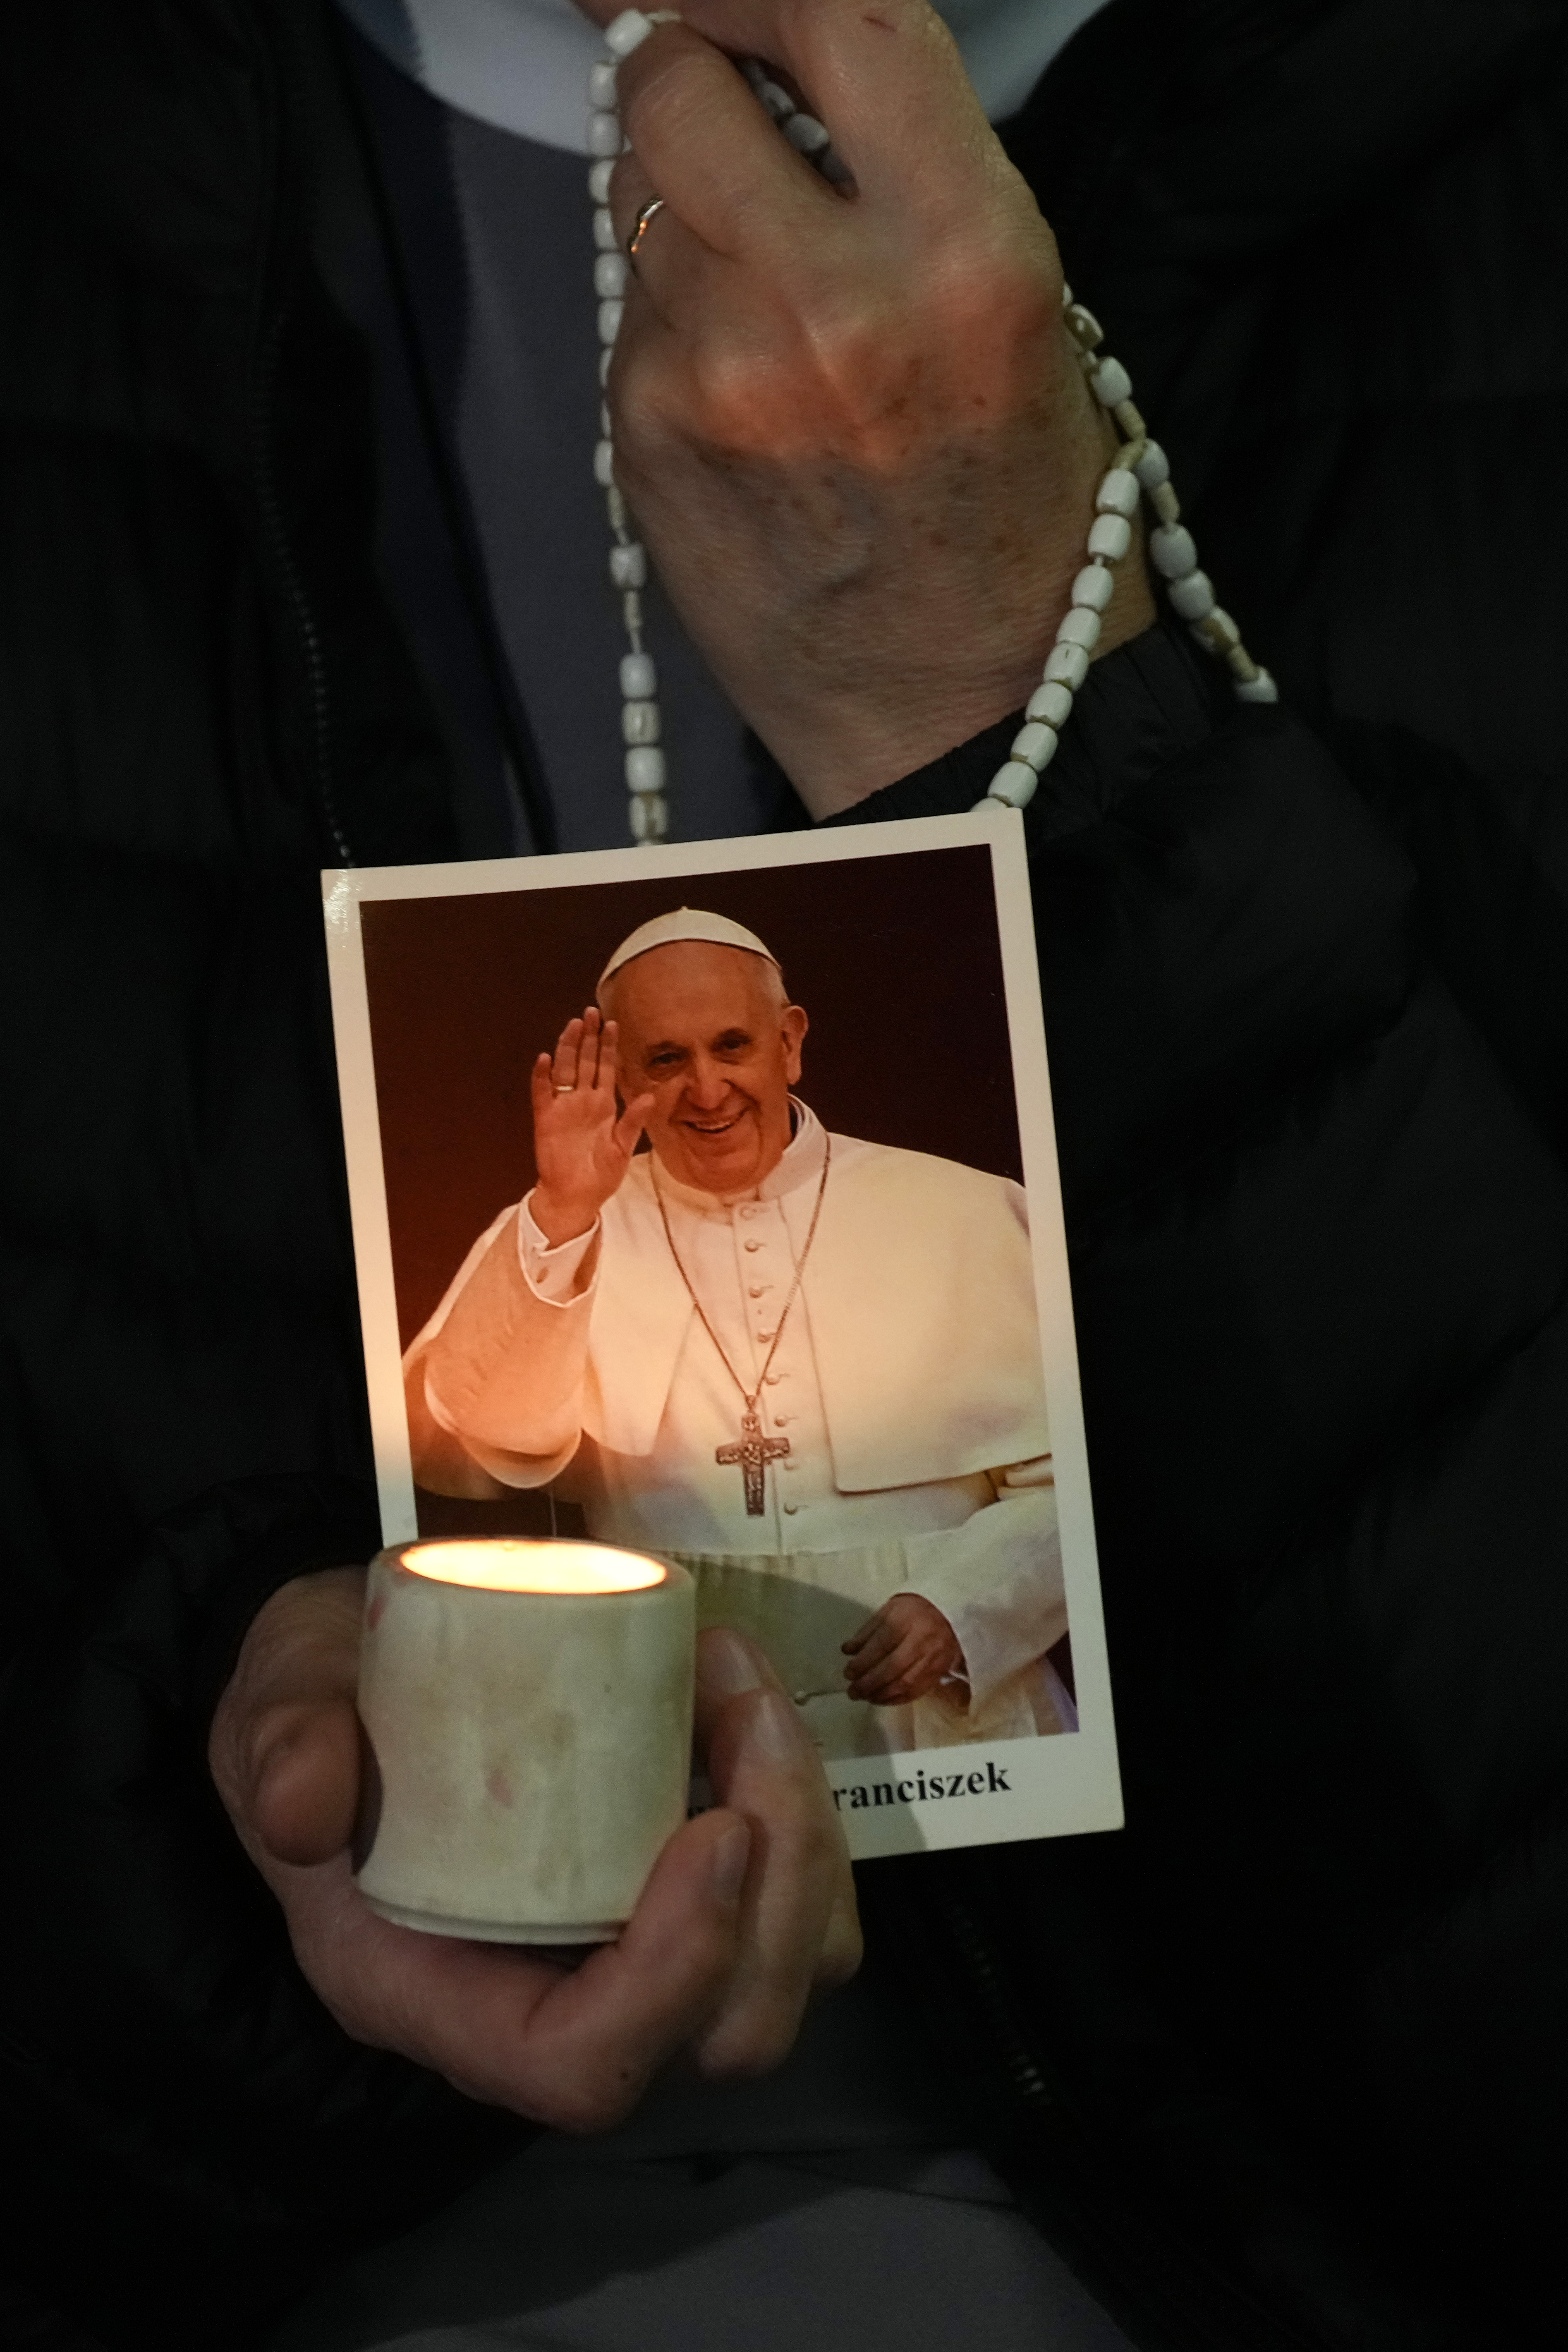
{"x": 1140, "y": 471}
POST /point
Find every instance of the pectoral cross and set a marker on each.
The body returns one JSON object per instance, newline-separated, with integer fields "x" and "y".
{"x": 753, "y": 1453}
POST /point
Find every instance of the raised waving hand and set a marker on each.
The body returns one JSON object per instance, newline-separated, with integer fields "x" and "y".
{"x": 582, "y": 1148}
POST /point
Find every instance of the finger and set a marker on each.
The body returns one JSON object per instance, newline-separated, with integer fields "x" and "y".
{"x": 599, "y": 2036}
{"x": 729, "y": 1665}
{"x": 284, "y": 1744}
{"x": 876, "y": 1641}
{"x": 711, "y": 152}
{"x": 863, "y": 1634}
{"x": 609, "y": 1059}
{"x": 542, "y": 1085}
{"x": 672, "y": 266}
{"x": 568, "y": 1047}
{"x": 798, "y": 1892}
{"x": 631, "y": 1123}
{"x": 874, "y": 1681}
{"x": 887, "y": 82}
{"x": 306, "y": 1774}
{"x": 844, "y": 1946}
{"x": 571, "y": 2048}
{"x": 591, "y": 1052}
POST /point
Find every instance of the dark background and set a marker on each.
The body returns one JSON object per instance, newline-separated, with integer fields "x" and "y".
{"x": 896, "y": 960}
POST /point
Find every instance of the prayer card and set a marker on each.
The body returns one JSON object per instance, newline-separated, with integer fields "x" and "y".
{"x": 705, "y": 1203}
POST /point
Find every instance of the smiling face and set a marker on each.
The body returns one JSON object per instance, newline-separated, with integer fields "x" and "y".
{"x": 706, "y": 1031}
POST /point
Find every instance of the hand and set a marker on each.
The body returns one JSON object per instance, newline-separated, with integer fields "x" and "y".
{"x": 852, "y": 428}
{"x": 748, "y": 1907}
{"x": 902, "y": 1653}
{"x": 581, "y": 1149}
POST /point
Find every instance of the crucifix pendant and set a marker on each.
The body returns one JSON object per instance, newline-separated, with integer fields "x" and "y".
{"x": 752, "y": 1452}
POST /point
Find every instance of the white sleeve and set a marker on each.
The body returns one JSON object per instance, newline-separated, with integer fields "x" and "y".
{"x": 551, "y": 1272}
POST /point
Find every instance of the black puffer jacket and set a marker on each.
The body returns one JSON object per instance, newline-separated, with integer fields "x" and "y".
{"x": 1284, "y": 2063}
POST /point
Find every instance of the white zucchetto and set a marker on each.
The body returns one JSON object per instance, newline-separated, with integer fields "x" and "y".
{"x": 686, "y": 923}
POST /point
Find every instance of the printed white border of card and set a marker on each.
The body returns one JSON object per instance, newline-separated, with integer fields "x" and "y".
{"x": 1064, "y": 1784}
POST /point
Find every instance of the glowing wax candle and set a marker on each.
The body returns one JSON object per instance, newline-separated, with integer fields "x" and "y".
{"x": 529, "y": 1709}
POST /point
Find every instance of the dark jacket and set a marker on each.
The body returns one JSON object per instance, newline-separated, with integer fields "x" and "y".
{"x": 1284, "y": 2063}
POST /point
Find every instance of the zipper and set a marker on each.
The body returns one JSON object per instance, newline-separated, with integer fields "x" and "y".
{"x": 273, "y": 285}
{"x": 296, "y": 596}
{"x": 1021, "y": 2078}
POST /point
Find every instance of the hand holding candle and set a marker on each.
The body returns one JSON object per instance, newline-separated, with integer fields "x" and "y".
{"x": 748, "y": 1907}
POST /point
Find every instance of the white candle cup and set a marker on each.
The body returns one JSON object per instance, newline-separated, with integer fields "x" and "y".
{"x": 528, "y": 1705}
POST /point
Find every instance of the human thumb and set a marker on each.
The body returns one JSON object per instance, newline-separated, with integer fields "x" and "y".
{"x": 304, "y": 1777}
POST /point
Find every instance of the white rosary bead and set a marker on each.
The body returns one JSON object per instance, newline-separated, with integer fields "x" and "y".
{"x": 604, "y": 136}
{"x": 628, "y": 565}
{"x": 1217, "y": 631}
{"x": 610, "y": 321}
{"x": 1083, "y": 326}
{"x": 1118, "y": 493}
{"x": 627, "y": 32}
{"x": 1080, "y": 626}
{"x": 1035, "y": 744}
{"x": 605, "y": 359}
{"x": 602, "y": 83}
{"x": 1014, "y": 785}
{"x": 599, "y": 179}
{"x": 644, "y": 769}
{"x": 1095, "y": 586}
{"x": 1173, "y": 551}
{"x": 1260, "y": 689}
{"x": 806, "y": 135}
{"x": 605, "y": 464}
{"x": 649, "y": 817}
{"x": 1166, "y": 504}
{"x": 1110, "y": 536}
{"x": 1067, "y": 665}
{"x": 779, "y": 102}
{"x": 1051, "y": 703}
{"x": 610, "y": 274}
{"x": 640, "y": 679}
{"x": 639, "y": 722}
{"x": 1111, "y": 383}
{"x": 1153, "y": 467}
{"x": 1191, "y": 599}
{"x": 605, "y": 235}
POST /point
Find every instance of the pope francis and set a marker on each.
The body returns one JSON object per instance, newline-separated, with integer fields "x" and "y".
{"x": 807, "y": 1366}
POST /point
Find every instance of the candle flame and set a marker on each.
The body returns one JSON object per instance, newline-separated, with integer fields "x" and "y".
{"x": 516, "y": 1564}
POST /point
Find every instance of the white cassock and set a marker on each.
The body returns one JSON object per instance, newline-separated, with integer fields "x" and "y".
{"x": 907, "y": 1383}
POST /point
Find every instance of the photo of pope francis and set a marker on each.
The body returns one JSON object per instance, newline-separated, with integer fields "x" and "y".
{"x": 805, "y": 1365}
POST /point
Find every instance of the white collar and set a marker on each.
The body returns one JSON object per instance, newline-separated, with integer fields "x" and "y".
{"x": 522, "y": 65}
{"x": 799, "y": 1163}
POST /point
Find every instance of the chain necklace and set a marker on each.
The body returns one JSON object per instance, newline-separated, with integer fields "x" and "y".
{"x": 1139, "y": 474}
{"x": 752, "y": 1453}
